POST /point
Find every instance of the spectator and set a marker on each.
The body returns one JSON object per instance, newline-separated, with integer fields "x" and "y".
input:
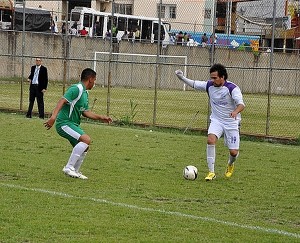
{"x": 97, "y": 29}
{"x": 213, "y": 40}
{"x": 54, "y": 29}
{"x": 148, "y": 34}
{"x": 107, "y": 35}
{"x": 186, "y": 39}
{"x": 212, "y": 49}
{"x": 83, "y": 32}
{"x": 173, "y": 39}
{"x": 204, "y": 40}
{"x": 130, "y": 35}
{"x": 38, "y": 80}
{"x": 63, "y": 28}
{"x": 137, "y": 34}
{"x": 179, "y": 38}
{"x": 73, "y": 30}
{"x": 125, "y": 35}
{"x": 114, "y": 32}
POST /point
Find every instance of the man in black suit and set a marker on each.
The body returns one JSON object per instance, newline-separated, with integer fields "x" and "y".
{"x": 38, "y": 79}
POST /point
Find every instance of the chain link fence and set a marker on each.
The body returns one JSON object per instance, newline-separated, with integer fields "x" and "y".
{"x": 136, "y": 80}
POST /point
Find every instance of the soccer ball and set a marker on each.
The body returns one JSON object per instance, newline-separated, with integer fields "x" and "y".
{"x": 190, "y": 172}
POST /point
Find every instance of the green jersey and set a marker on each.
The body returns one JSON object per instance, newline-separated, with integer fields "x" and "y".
{"x": 78, "y": 102}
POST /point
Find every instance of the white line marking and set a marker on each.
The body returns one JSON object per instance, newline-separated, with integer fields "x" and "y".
{"x": 61, "y": 194}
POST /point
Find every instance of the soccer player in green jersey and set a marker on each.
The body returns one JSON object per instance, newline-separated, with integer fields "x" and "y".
{"x": 67, "y": 115}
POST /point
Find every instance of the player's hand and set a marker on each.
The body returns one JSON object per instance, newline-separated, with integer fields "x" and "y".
{"x": 179, "y": 73}
{"x": 233, "y": 114}
{"x": 106, "y": 119}
{"x": 49, "y": 123}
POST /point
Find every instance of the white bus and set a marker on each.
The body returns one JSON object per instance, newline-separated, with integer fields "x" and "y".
{"x": 99, "y": 23}
{"x": 6, "y": 9}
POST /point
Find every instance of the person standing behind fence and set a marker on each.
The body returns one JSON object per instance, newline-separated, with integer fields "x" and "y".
{"x": 226, "y": 101}
{"x": 213, "y": 39}
{"x": 204, "y": 40}
{"x": 186, "y": 39}
{"x": 179, "y": 38}
{"x": 84, "y": 32}
{"x": 137, "y": 34}
{"x": 73, "y": 30}
{"x": 130, "y": 35}
{"x": 114, "y": 33}
{"x": 38, "y": 79}
{"x": 63, "y": 28}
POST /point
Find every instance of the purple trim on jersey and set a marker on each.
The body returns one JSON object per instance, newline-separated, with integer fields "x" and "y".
{"x": 230, "y": 86}
{"x": 209, "y": 84}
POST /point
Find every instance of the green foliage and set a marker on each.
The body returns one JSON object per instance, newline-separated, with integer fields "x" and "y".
{"x": 128, "y": 119}
{"x": 136, "y": 192}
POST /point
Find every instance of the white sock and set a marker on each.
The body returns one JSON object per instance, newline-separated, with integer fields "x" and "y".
{"x": 75, "y": 155}
{"x": 79, "y": 161}
{"x": 232, "y": 159}
{"x": 211, "y": 156}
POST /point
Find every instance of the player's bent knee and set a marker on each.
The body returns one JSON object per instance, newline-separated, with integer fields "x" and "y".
{"x": 234, "y": 152}
{"x": 85, "y": 139}
{"x": 211, "y": 139}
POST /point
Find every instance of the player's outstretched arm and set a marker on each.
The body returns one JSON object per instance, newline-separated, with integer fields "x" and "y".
{"x": 189, "y": 82}
{"x": 95, "y": 116}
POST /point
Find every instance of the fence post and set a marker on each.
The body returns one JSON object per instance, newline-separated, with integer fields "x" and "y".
{"x": 271, "y": 70}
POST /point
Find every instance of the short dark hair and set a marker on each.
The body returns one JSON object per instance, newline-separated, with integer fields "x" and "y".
{"x": 222, "y": 72}
{"x": 87, "y": 73}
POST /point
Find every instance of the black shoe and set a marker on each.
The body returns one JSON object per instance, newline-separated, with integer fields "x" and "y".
{"x": 41, "y": 117}
{"x": 28, "y": 116}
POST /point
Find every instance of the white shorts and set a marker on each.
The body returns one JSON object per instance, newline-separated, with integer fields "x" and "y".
{"x": 231, "y": 135}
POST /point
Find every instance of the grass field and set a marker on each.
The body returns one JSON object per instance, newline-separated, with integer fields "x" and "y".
{"x": 174, "y": 107}
{"x": 136, "y": 192}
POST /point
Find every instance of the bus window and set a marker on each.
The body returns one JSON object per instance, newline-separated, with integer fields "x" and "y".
{"x": 101, "y": 21}
{"x": 133, "y": 24}
{"x": 162, "y": 32}
{"x": 87, "y": 20}
{"x": 6, "y": 17}
{"x": 147, "y": 29}
{"x": 98, "y": 25}
{"x": 155, "y": 32}
{"x": 122, "y": 23}
{"x": 75, "y": 16}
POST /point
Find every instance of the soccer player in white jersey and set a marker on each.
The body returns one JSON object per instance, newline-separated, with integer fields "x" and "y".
{"x": 226, "y": 101}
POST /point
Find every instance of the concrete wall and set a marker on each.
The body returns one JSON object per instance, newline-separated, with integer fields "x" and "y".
{"x": 252, "y": 75}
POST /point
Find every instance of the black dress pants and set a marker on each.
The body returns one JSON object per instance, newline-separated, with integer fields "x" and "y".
{"x": 35, "y": 93}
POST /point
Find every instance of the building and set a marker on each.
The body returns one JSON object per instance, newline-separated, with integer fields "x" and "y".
{"x": 241, "y": 17}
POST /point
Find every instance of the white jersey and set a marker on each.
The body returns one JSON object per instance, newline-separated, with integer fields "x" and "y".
{"x": 223, "y": 100}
